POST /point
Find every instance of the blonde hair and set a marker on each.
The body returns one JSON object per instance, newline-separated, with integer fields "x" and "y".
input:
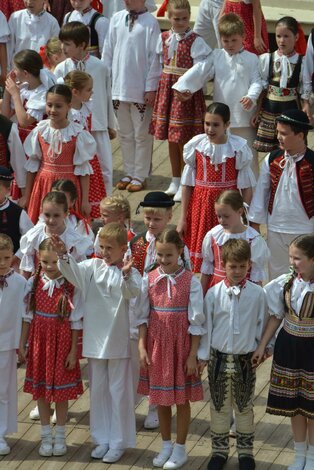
{"x": 230, "y": 24}
{"x": 53, "y": 46}
{"x": 6, "y": 242}
{"x": 157, "y": 210}
{"x": 117, "y": 203}
{"x": 114, "y": 231}
{"x": 178, "y": 5}
{"x": 77, "y": 80}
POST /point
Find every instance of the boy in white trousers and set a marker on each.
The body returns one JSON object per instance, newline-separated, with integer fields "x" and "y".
{"x": 107, "y": 284}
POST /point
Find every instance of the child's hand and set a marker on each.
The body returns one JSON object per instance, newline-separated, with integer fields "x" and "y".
{"x": 246, "y": 103}
{"x": 11, "y": 86}
{"x": 144, "y": 358}
{"x": 191, "y": 366}
{"x": 181, "y": 227}
{"x": 86, "y": 209}
{"x": 22, "y": 354}
{"x": 201, "y": 366}
{"x": 22, "y": 202}
{"x": 70, "y": 361}
{"x": 149, "y": 98}
{"x": 258, "y": 356}
{"x": 254, "y": 120}
{"x": 260, "y": 45}
{"x": 112, "y": 133}
{"x": 183, "y": 96}
{"x": 127, "y": 265}
{"x": 58, "y": 245}
{"x": 307, "y": 110}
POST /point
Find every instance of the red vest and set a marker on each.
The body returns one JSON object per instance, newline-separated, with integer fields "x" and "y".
{"x": 305, "y": 179}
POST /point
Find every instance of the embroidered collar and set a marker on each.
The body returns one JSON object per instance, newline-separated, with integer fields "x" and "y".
{"x": 3, "y": 279}
{"x": 300, "y": 279}
{"x": 173, "y": 40}
{"x": 286, "y": 55}
{"x": 86, "y": 10}
{"x": 241, "y": 284}
{"x": 132, "y": 16}
{"x": 80, "y": 64}
{"x": 31, "y": 15}
{"x": 170, "y": 278}
{"x": 51, "y": 284}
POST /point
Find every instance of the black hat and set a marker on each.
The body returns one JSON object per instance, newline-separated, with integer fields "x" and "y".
{"x": 157, "y": 199}
{"x": 296, "y": 118}
{"x": 6, "y": 174}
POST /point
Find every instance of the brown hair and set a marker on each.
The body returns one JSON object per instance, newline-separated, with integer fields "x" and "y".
{"x": 233, "y": 198}
{"x": 304, "y": 243}
{"x": 65, "y": 186}
{"x": 76, "y": 32}
{"x": 114, "y": 231}
{"x": 230, "y": 24}
{"x": 56, "y": 197}
{"x": 236, "y": 250}
{"x": 178, "y": 5}
{"x": 6, "y": 242}
{"x": 77, "y": 79}
{"x": 171, "y": 236}
{"x": 62, "y": 306}
{"x": 28, "y": 60}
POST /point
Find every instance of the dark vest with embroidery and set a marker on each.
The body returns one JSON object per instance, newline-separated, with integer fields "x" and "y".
{"x": 305, "y": 179}
{"x": 10, "y": 223}
{"x": 138, "y": 246}
{"x": 5, "y": 129}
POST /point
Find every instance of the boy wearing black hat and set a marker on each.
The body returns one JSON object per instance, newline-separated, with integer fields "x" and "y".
{"x": 14, "y": 221}
{"x": 284, "y": 195}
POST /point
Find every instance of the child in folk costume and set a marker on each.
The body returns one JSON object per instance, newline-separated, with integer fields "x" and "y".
{"x": 250, "y": 12}
{"x": 281, "y": 74}
{"x": 51, "y": 330}
{"x": 12, "y": 293}
{"x": 130, "y": 54}
{"x": 52, "y": 53}
{"x": 54, "y": 213}
{"x": 175, "y": 120}
{"x": 215, "y": 161}
{"x": 75, "y": 39}
{"x": 27, "y": 86}
{"x": 291, "y": 299}
{"x": 113, "y": 6}
{"x": 231, "y": 213}
{"x": 285, "y": 187}
{"x": 107, "y": 284}
{"x": 236, "y": 311}
{"x": 97, "y": 23}
{"x": 81, "y": 85}
{"x": 31, "y": 28}
{"x": 58, "y": 148}
{"x": 171, "y": 322}
{"x": 237, "y": 81}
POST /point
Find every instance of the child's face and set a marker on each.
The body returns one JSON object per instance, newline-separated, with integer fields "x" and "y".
{"x": 111, "y": 251}
{"x": 227, "y": 217}
{"x": 301, "y": 263}
{"x": 215, "y": 128}
{"x": 236, "y": 271}
{"x": 134, "y": 5}
{"x": 85, "y": 93}
{"x": 156, "y": 222}
{"x": 54, "y": 217}
{"x": 288, "y": 140}
{"x": 80, "y": 5}
{"x": 179, "y": 20}
{"x": 108, "y": 216}
{"x": 34, "y": 6}
{"x": 18, "y": 75}
{"x": 70, "y": 49}
{"x": 285, "y": 39}
{"x": 57, "y": 58}
{"x": 167, "y": 256}
{"x": 4, "y": 191}
{"x": 6, "y": 258}
{"x": 57, "y": 109}
{"x": 49, "y": 263}
{"x": 232, "y": 44}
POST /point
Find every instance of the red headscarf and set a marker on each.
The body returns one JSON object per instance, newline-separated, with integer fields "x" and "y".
{"x": 163, "y": 8}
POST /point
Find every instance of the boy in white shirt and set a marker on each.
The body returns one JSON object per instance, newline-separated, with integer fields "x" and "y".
{"x": 107, "y": 285}
{"x": 113, "y": 6}
{"x": 237, "y": 80}
{"x": 75, "y": 39}
{"x": 12, "y": 306}
{"x": 31, "y": 28}
{"x": 130, "y": 54}
{"x": 236, "y": 312}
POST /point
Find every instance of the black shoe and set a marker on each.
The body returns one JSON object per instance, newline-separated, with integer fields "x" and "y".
{"x": 217, "y": 462}
{"x": 246, "y": 463}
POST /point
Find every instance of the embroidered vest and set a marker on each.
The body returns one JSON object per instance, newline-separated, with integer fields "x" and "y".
{"x": 138, "y": 246}
{"x": 10, "y": 223}
{"x": 5, "y": 129}
{"x": 305, "y": 179}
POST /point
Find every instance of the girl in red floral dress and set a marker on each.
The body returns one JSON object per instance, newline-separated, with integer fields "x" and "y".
{"x": 174, "y": 120}
{"x": 215, "y": 161}
{"x": 51, "y": 329}
{"x": 172, "y": 305}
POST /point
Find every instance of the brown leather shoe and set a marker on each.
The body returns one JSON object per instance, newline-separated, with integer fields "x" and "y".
{"x": 124, "y": 182}
{"x": 134, "y": 188}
